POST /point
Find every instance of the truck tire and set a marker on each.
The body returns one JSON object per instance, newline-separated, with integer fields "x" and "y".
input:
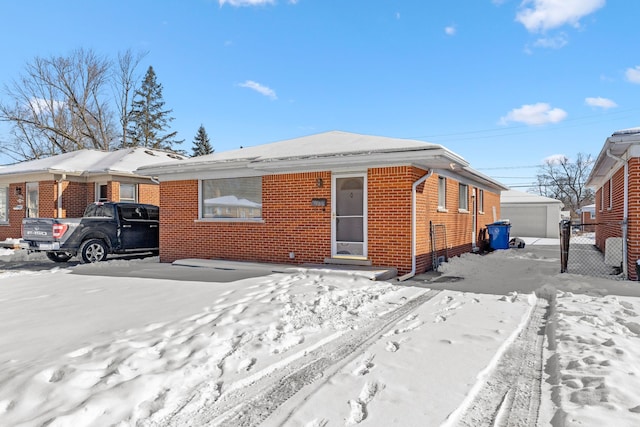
{"x": 93, "y": 250}
{"x": 59, "y": 256}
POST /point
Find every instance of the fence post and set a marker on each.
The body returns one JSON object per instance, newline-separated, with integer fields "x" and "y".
{"x": 565, "y": 234}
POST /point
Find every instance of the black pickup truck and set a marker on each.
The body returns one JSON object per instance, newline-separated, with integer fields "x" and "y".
{"x": 105, "y": 228}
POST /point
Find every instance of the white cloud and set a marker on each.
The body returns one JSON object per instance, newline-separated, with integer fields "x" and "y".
{"x": 534, "y": 114}
{"x": 263, "y": 90}
{"x": 40, "y": 105}
{"x": 633, "y": 74}
{"x": 600, "y": 102}
{"x": 542, "y": 15}
{"x": 450, "y": 30}
{"x": 239, "y": 3}
{"x": 556, "y": 42}
{"x": 555, "y": 159}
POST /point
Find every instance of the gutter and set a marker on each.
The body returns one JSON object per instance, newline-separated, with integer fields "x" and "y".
{"x": 413, "y": 227}
{"x": 625, "y": 215}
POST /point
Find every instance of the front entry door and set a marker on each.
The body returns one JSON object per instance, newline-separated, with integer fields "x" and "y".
{"x": 349, "y": 227}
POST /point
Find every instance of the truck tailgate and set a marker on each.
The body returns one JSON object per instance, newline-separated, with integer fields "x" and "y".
{"x": 41, "y": 229}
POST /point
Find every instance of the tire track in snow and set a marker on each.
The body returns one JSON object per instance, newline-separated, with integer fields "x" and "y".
{"x": 510, "y": 394}
{"x": 250, "y": 404}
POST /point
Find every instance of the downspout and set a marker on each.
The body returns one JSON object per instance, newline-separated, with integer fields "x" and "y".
{"x": 59, "y": 201}
{"x": 413, "y": 227}
{"x": 625, "y": 215}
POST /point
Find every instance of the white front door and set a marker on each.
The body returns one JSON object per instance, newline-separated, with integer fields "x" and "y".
{"x": 349, "y": 216}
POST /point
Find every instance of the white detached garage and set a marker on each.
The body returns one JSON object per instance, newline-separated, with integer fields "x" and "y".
{"x": 531, "y": 215}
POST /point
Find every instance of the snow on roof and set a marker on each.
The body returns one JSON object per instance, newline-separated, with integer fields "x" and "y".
{"x": 515, "y": 196}
{"x": 322, "y": 144}
{"x": 319, "y": 152}
{"x": 629, "y": 131}
{"x": 87, "y": 161}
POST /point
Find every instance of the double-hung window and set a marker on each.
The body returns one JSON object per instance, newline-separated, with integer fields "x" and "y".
{"x": 128, "y": 193}
{"x": 33, "y": 200}
{"x": 442, "y": 192}
{"x": 4, "y": 204}
{"x": 231, "y": 198}
{"x": 463, "y": 197}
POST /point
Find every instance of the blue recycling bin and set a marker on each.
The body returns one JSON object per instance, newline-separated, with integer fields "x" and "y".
{"x": 499, "y": 235}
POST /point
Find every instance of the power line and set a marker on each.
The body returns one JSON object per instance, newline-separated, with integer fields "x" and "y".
{"x": 510, "y": 130}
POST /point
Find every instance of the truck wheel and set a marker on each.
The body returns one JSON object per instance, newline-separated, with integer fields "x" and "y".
{"x": 93, "y": 250}
{"x": 59, "y": 256}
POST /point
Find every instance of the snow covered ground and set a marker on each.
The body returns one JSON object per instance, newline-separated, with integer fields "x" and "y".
{"x": 310, "y": 347}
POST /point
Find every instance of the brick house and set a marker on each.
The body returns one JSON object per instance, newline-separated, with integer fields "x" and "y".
{"x": 333, "y": 197}
{"x": 61, "y": 186}
{"x": 587, "y": 218}
{"x": 615, "y": 177}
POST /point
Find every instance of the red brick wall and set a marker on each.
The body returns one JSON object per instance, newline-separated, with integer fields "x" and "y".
{"x": 633, "y": 231}
{"x": 291, "y": 224}
{"x": 74, "y": 198}
{"x": 149, "y": 193}
{"x": 389, "y": 215}
{"x": 609, "y": 218}
{"x": 12, "y": 230}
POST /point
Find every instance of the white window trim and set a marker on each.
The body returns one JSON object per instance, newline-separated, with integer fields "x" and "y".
{"x": 135, "y": 193}
{"x": 610, "y": 194}
{"x": 201, "y": 219}
{"x": 6, "y": 204}
{"x": 442, "y": 207}
{"x": 464, "y": 208}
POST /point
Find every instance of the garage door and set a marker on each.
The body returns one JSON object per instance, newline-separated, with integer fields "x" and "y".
{"x": 529, "y": 221}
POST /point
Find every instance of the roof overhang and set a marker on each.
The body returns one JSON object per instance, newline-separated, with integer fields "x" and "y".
{"x": 615, "y": 150}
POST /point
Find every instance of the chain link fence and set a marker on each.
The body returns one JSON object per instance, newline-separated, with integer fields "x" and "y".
{"x": 580, "y": 253}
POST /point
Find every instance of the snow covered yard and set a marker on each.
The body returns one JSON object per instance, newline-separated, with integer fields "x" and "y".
{"x": 311, "y": 347}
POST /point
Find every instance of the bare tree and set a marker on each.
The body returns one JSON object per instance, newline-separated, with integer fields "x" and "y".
{"x": 58, "y": 105}
{"x": 563, "y": 180}
{"x": 125, "y": 85}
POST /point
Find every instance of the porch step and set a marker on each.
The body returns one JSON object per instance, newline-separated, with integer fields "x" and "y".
{"x": 348, "y": 261}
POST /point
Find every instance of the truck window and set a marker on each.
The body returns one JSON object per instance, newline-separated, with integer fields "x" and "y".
{"x": 132, "y": 212}
{"x": 153, "y": 212}
{"x": 101, "y": 211}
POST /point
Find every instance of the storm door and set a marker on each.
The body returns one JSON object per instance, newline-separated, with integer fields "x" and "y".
{"x": 349, "y": 226}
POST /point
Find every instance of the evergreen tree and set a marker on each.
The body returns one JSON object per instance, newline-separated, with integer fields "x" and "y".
{"x": 201, "y": 143}
{"x": 148, "y": 120}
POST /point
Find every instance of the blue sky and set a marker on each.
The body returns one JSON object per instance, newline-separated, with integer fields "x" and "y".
{"x": 505, "y": 84}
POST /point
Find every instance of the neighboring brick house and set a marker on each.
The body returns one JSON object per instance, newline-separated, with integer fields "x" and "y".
{"x": 333, "y": 197}
{"x": 61, "y": 186}
{"x": 587, "y": 218}
{"x": 615, "y": 177}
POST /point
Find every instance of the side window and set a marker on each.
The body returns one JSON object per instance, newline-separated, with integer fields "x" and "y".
{"x": 4, "y": 204}
{"x": 463, "y": 197}
{"x": 128, "y": 193}
{"x": 32, "y": 199}
{"x": 442, "y": 192}
{"x": 481, "y": 200}
{"x": 101, "y": 192}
